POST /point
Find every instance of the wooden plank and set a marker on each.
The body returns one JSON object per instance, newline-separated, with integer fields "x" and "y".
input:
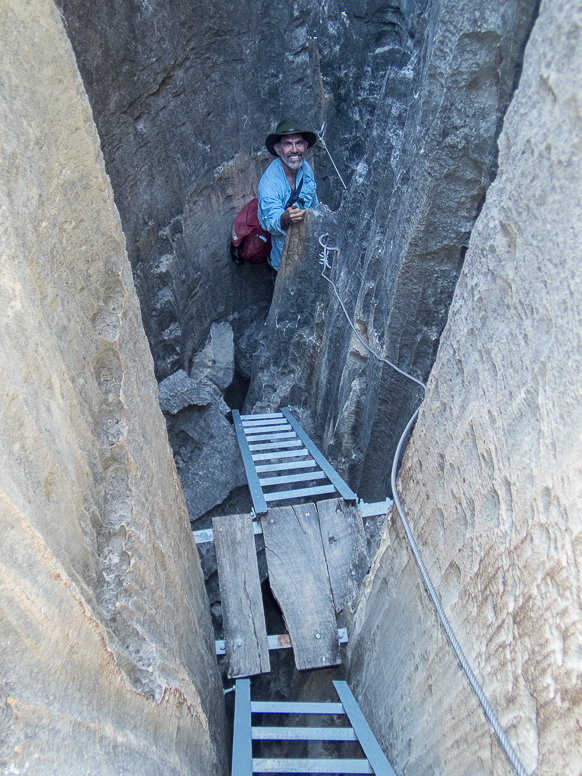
{"x": 242, "y": 744}
{"x": 344, "y": 545}
{"x": 372, "y": 750}
{"x": 300, "y": 765}
{"x": 283, "y": 641}
{"x": 300, "y": 583}
{"x": 207, "y": 534}
{"x": 245, "y": 632}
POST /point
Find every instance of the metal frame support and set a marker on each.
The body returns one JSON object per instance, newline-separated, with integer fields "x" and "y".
{"x": 371, "y": 747}
{"x": 242, "y": 744}
{"x": 346, "y": 492}
{"x": 259, "y": 503}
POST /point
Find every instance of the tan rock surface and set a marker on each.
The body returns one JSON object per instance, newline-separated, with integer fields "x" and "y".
{"x": 492, "y": 480}
{"x": 106, "y": 649}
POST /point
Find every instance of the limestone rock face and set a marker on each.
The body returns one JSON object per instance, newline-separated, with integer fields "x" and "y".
{"x": 106, "y": 648}
{"x": 402, "y": 231}
{"x": 492, "y": 479}
{"x": 184, "y": 96}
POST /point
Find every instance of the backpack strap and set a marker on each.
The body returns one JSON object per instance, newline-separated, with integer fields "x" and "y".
{"x": 294, "y": 194}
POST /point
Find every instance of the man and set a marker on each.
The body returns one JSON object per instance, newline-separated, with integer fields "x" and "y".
{"x": 288, "y": 186}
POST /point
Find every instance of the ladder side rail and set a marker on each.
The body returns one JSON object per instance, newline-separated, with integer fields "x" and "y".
{"x": 299, "y": 765}
{"x": 342, "y": 488}
{"x": 242, "y": 745}
{"x": 257, "y": 496}
{"x": 361, "y": 728}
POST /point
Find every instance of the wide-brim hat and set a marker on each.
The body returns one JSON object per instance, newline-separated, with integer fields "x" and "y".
{"x": 289, "y": 127}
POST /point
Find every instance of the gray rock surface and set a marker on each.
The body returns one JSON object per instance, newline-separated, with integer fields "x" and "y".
{"x": 106, "y": 648}
{"x": 207, "y": 455}
{"x": 183, "y": 133}
{"x": 179, "y": 391}
{"x": 215, "y": 363}
{"x": 492, "y": 479}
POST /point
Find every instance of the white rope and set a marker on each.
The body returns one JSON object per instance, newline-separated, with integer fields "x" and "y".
{"x": 321, "y": 135}
{"x": 489, "y": 713}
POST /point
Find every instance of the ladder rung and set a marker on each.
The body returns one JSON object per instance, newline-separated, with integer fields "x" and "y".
{"x": 266, "y": 429}
{"x": 254, "y": 423}
{"x": 264, "y": 416}
{"x": 303, "y": 734}
{"x": 281, "y": 454}
{"x": 292, "y": 707}
{"x": 296, "y": 765}
{"x": 264, "y": 437}
{"x": 299, "y": 493}
{"x": 279, "y": 467}
{"x": 276, "y": 445}
{"x": 288, "y": 478}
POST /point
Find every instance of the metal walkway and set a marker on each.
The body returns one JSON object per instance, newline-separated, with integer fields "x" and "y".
{"x": 358, "y": 730}
{"x": 275, "y": 444}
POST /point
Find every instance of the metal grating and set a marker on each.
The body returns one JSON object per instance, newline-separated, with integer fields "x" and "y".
{"x": 286, "y": 456}
{"x": 244, "y": 764}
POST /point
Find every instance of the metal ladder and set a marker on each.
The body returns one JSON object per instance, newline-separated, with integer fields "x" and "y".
{"x": 278, "y": 444}
{"x": 244, "y": 764}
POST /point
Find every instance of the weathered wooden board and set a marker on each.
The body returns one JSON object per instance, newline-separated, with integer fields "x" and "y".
{"x": 245, "y": 632}
{"x": 344, "y": 545}
{"x": 300, "y": 583}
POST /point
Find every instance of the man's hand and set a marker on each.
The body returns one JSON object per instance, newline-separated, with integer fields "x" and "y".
{"x": 293, "y": 215}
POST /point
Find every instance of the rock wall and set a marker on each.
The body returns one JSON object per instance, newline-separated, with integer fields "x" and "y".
{"x": 184, "y": 96}
{"x": 492, "y": 479}
{"x": 106, "y": 647}
{"x": 402, "y": 232}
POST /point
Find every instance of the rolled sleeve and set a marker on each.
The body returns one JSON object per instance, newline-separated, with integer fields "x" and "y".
{"x": 270, "y": 208}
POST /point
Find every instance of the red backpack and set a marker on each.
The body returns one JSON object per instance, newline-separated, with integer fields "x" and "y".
{"x": 249, "y": 241}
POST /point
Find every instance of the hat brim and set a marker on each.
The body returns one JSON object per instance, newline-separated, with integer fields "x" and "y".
{"x": 274, "y": 138}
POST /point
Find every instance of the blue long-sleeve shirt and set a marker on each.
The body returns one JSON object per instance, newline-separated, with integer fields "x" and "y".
{"x": 274, "y": 193}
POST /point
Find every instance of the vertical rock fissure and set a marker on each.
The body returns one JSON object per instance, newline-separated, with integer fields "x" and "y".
{"x": 413, "y": 95}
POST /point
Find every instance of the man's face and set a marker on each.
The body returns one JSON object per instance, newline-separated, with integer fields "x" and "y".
{"x": 291, "y": 150}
